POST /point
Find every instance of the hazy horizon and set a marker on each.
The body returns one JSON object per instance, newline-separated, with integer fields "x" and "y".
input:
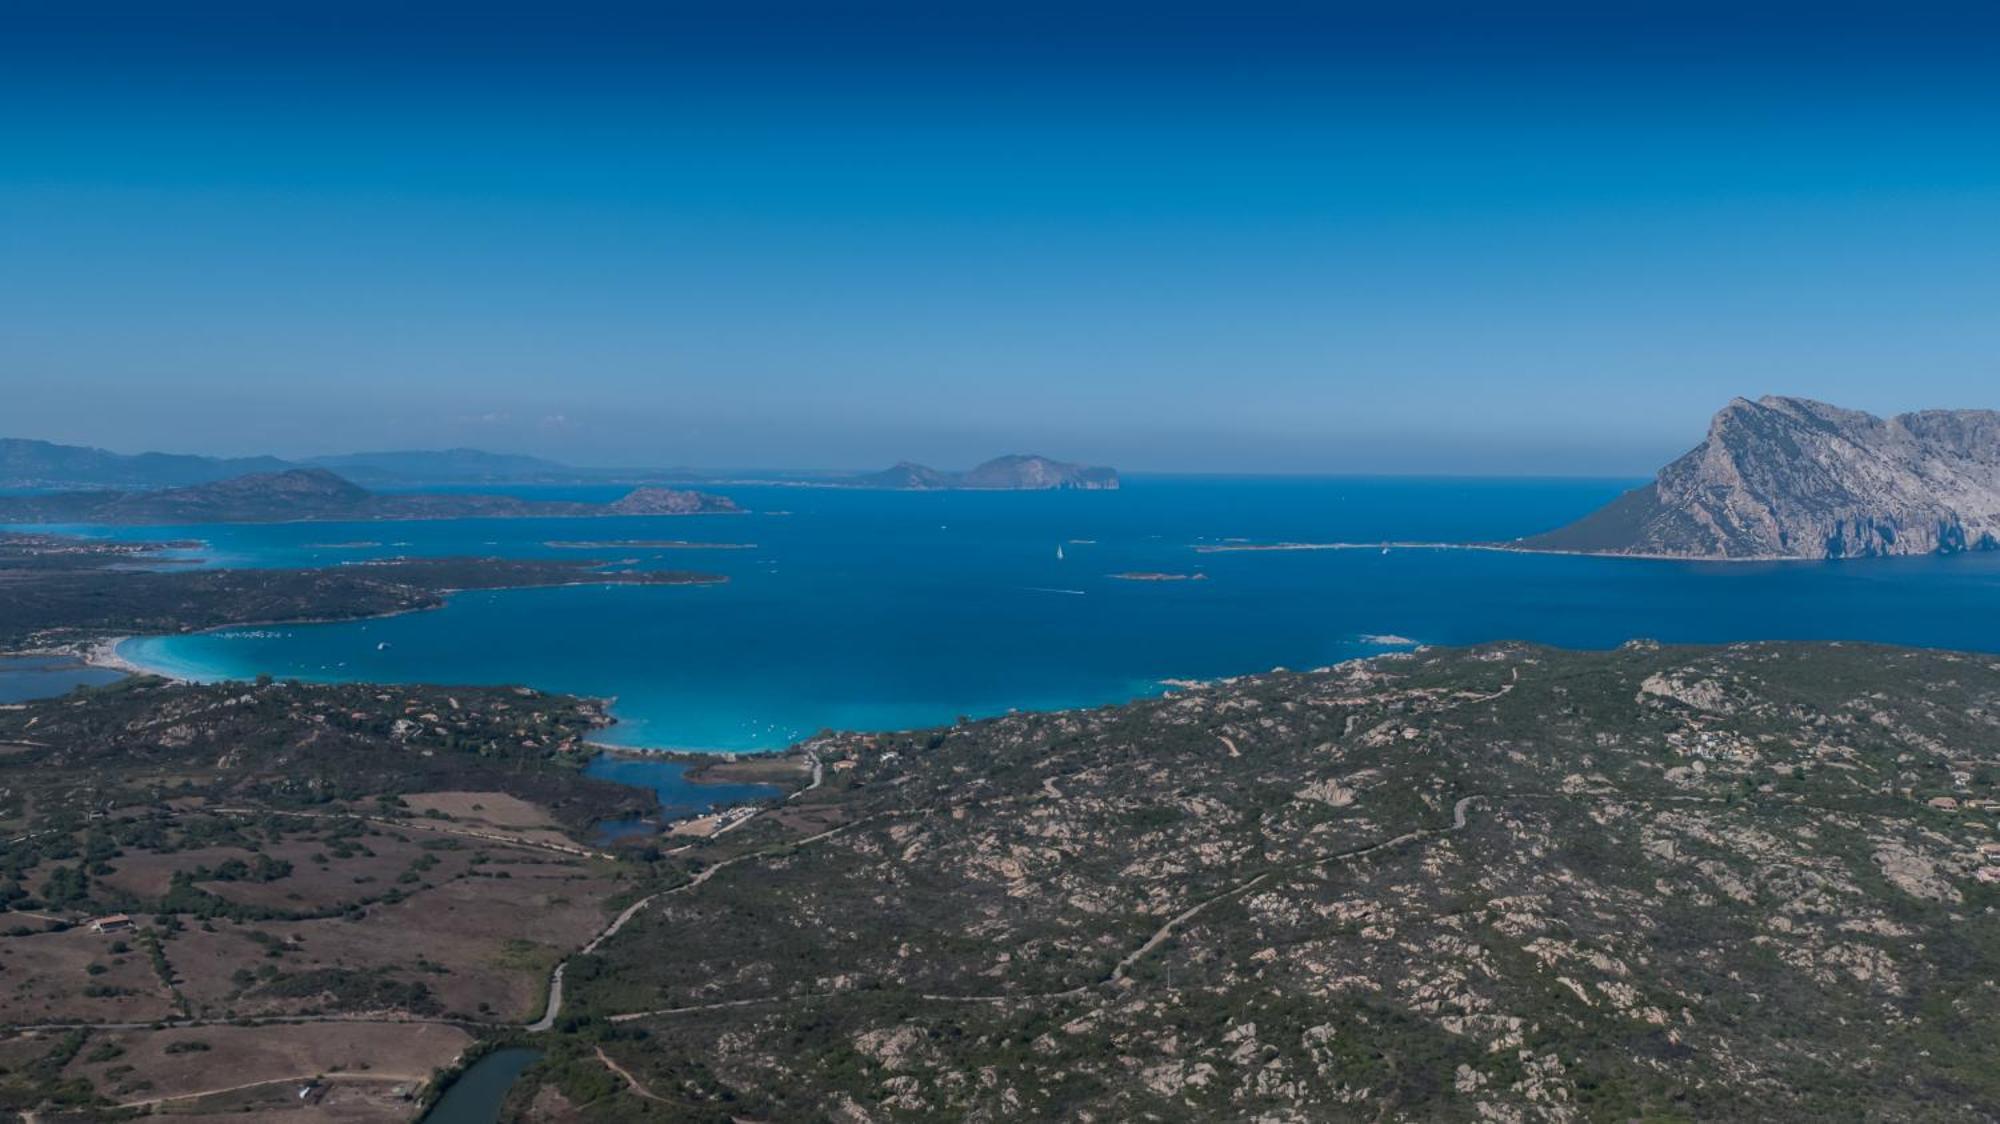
{"x": 1277, "y": 238}
{"x": 951, "y": 462}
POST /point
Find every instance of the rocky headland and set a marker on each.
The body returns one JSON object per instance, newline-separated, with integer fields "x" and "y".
{"x": 1790, "y": 478}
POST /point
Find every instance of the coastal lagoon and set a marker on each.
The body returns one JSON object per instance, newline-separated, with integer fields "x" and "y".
{"x": 667, "y": 779}
{"x": 41, "y": 677}
{"x": 880, "y": 610}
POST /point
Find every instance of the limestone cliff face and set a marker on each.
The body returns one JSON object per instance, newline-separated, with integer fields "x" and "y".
{"x": 1794, "y": 478}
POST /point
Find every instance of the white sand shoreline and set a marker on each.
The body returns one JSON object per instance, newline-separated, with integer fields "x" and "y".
{"x": 105, "y": 653}
{"x": 1494, "y": 548}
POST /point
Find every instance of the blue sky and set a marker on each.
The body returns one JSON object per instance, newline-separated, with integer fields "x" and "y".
{"x": 1256, "y": 237}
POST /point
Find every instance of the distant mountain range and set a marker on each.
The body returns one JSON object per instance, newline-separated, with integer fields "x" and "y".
{"x": 27, "y": 464}
{"x": 462, "y": 466}
{"x": 1783, "y": 478}
{"x": 43, "y": 464}
{"x": 315, "y": 494}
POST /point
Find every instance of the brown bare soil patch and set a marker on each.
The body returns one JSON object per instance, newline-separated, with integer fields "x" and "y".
{"x": 700, "y": 827}
{"x": 808, "y": 819}
{"x": 348, "y": 1100}
{"x": 754, "y": 770}
{"x": 491, "y": 811}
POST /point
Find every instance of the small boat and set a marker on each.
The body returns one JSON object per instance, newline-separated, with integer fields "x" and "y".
{"x": 1059, "y": 553}
{"x": 382, "y": 647}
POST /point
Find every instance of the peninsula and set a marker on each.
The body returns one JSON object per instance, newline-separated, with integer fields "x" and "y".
{"x": 315, "y": 494}
{"x": 69, "y": 593}
{"x": 1790, "y": 478}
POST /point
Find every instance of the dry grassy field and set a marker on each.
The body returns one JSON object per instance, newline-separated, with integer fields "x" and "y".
{"x": 78, "y": 976}
{"x": 480, "y": 945}
{"x": 234, "y": 1069}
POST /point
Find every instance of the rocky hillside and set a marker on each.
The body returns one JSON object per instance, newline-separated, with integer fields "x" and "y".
{"x": 316, "y": 494}
{"x": 1499, "y": 884}
{"x": 1793, "y": 478}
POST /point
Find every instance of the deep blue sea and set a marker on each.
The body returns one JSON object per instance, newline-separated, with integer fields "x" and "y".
{"x": 873, "y": 610}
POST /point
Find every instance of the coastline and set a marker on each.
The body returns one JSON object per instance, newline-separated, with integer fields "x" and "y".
{"x": 104, "y": 653}
{"x": 1495, "y": 548}
{"x": 343, "y": 517}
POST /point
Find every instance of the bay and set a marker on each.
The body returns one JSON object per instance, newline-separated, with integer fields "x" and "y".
{"x": 885, "y": 610}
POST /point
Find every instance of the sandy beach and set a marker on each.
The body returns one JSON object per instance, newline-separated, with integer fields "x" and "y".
{"x": 104, "y": 653}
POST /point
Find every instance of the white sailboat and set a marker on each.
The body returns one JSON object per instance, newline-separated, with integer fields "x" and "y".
{"x": 1059, "y": 553}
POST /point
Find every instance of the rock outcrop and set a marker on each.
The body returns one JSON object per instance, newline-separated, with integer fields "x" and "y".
{"x": 670, "y": 501}
{"x": 1793, "y": 478}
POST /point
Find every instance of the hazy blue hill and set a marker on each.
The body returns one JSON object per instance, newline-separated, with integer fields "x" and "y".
{"x": 26, "y": 463}
{"x": 315, "y": 494}
{"x": 1014, "y": 472}
{"x": 446, "y": 466}
{"x": 904, "y": 475}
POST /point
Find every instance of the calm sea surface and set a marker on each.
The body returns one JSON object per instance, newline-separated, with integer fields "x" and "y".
{"x": 39, "y": 677}
{"x": 874, "y": 610}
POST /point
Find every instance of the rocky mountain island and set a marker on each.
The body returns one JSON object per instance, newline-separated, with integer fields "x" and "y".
{"x": 1011, "y": 473}
{"x": 316, "y": 494}
{"x": 1790, "y": 478}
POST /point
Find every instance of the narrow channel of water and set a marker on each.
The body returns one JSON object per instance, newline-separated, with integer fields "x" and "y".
{"x": 476, "y": 1097}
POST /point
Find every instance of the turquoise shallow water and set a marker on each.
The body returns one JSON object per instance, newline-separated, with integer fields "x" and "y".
{"x": 875, "y": 610}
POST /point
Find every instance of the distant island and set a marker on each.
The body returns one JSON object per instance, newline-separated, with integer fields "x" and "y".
{"x": 1012, "y": 473}
{"x": 1790, "y": 478}
{"x": 313, "y": 494}
{"x": 27, "y": 464}
{"x": 31, "y": 464}
{"x": 645, "y": 544}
